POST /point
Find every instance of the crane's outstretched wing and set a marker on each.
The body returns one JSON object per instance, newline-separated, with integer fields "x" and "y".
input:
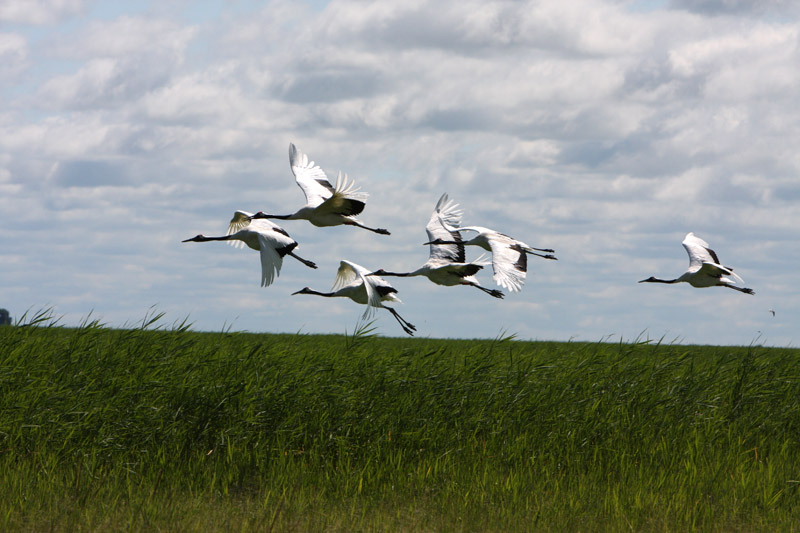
{"x": 509, "y": 262}
{"x": 240, "y": 220}
{"x": 271, "y": 261}
{"x": 310, "y": 177}
{"x": 445, "y": 217}
{"x": 350, "y": 273}
{"x": 346, "y": 275}
{"x": 346, "y": 199}
{"x": 699, "y": 251}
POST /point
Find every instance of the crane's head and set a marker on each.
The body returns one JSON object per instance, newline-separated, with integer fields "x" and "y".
{"x": 304, "y": 290}
{"x": 436, "y": 241}
{"x": 260, "y": 214}
{"x": 379, "y": 272}
{"x": 651, "y": 279}
{"x": 197, "y": 238}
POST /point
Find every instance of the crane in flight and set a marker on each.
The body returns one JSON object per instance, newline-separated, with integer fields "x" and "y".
{"x": 353, "y": 281}
{"x": 269, "y": 239}
{"x": 446, "y": 264}
{"x": 509, "y": 256}
{"x": 704, "y": 269}
{"x": 325, "y": 205}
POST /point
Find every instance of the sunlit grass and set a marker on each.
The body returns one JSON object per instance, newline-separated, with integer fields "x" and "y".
{"x": 165, "y": 428}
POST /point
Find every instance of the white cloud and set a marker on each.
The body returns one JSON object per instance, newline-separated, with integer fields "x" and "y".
{"x": 124, "y": 60}
{"x": 126, "y": 36}
{"x": 604, "y": 133}
{"x": 39, "y": 11}
{"x": 13, "y": 56}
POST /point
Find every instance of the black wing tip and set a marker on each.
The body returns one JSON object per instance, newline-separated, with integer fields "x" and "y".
{"x": 353, "y": 207}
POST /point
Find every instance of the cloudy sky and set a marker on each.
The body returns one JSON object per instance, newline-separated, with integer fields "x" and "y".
{"x": 606, "y": 129}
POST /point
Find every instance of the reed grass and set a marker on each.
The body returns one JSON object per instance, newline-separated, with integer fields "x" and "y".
{"x": 161, "y": 428}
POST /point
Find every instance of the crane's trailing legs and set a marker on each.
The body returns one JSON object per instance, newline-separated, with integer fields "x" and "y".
{"x": 740, "y": 289}
{"x": 379, "y": 231}
{"x": 407, "y": 326}
{"x": 306, "y": 262}
{"x": 492, "y": 292}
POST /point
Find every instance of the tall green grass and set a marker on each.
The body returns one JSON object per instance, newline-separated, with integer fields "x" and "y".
{"x": 164, "y": 428}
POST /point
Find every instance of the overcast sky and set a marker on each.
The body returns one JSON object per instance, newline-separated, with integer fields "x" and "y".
{"x": 604, "y": 129}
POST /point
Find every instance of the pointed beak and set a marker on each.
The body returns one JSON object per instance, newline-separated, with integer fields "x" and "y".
{"x": 300, "y": 291}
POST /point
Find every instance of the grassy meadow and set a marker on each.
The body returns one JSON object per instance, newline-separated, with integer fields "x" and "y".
{"x": 162, "y": 428}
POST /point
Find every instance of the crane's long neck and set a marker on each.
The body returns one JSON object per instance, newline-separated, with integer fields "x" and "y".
{"x": 401, "y": 274}
{"x": 280, "y": 217}
{"x": 317, "y": 293}
{"x": 656, "y": 280}
{"x": 203, "y": 238}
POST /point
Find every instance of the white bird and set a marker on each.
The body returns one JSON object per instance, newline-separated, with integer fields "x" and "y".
{"x": 353, "y": 281}
{"x": 446, "y": 264}
{"x": 270, "y": 239}
{"x": 325, "y": 205}
{"x": 509, "y": 256}
{"x": 704, "y": 269}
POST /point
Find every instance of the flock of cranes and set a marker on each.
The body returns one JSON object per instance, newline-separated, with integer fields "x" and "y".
{"x": 328, "y": 205}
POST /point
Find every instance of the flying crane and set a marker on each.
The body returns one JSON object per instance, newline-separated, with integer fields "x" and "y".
{"x": 704, "y": 269}
{"x": 272, "y": 241}
{"x": 446, "y": 264}
{"x": 325, "y": 205}
{"x": 353, "y": 281}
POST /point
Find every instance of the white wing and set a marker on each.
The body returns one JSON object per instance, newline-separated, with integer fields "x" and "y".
{"x": 346, "y": 275}
{"x": 350, "y": 273}
{"x": 509, "y": 262}
{"x": 240, "y": 220}
{"x": 718, "y": 271}
{"x": 701, "y": 256}
{"x": 445, "y": 217}
{"x": 699, "y": 251}
{"x": 263, "y": 225}
{"x": 310, "y": 177}
{"x": 479, "y": 229}
{"x": 271, "y": 261}
{"x": 346, "y": 199}
{"x": 735, "y": 276}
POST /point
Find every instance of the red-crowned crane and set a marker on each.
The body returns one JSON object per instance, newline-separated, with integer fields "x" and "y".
{"x": 446, "y": 263}
{"x": 509, "y": 256}
{"x": 325, "y": 205}
{"x": 353, "y": 281}
{"x": 269, "y": 239}
{"x": 704, "y": 269}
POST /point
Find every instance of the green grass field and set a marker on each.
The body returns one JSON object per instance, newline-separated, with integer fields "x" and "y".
{"x": 168, "y": 429}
